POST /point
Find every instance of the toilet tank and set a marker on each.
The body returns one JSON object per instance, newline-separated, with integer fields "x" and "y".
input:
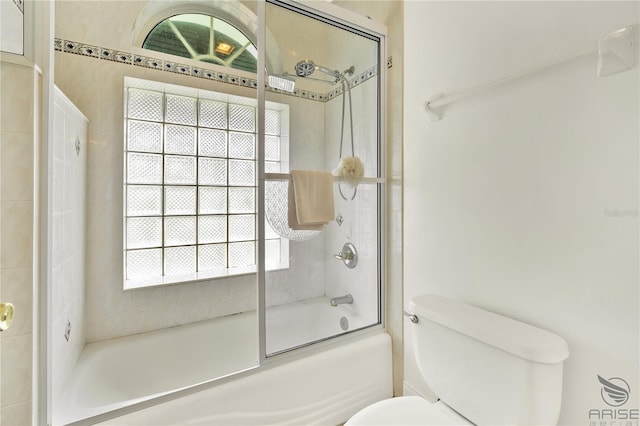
{"x": 491, "y": 369}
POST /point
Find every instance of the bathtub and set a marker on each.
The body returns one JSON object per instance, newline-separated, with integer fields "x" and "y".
{"x": 139, "y": 372}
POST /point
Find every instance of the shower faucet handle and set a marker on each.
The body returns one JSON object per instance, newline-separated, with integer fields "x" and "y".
{"x": 348, "y": 255}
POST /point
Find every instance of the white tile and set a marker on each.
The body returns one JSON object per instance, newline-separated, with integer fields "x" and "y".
{"x": 58, "y": 186}
{"x": 57, "y": 292}
{"x": 16, "y": 369}
{"x": 17, "y": 166}
{"x": 16, "y": 239}
{"x": 58, "y": 132}
{"x": 17, "y": 414}
{"x": 17, "y": 84}
{"x": 57, "y": 240}
{"x": 67, "y": 233}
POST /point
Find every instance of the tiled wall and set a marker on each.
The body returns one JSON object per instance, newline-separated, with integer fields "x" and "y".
{"x": 359, "y": 215}
{"x": 20, "y": 87}
{"x": 68, "y": 230}
{"x": 391, "y": 13}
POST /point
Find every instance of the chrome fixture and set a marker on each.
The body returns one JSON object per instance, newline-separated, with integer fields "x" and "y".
{"x": 342, "y": 300}
{"x": 307, "y": 67}
{"x": 348, "y": 255}
{"x": 412, "y": 317}
{"x": 344, "y": 323}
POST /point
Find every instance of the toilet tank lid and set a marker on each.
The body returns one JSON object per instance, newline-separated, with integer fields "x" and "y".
{"x": 512, "y": 336}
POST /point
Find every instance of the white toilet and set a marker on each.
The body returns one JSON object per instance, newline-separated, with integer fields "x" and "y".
{"x": 486, "y": 369}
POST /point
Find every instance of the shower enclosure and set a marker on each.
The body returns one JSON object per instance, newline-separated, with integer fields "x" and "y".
{"x": 210, "y": 146}
{"x": 332, "y": 90}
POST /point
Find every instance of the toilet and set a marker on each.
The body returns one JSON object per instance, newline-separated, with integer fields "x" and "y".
{"x": 485, "y": 368}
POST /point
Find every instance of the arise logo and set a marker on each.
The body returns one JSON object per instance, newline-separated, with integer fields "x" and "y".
{"x": 615, "y": 391}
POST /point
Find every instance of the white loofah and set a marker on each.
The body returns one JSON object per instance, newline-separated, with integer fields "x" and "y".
{"x": 350, "y": 168}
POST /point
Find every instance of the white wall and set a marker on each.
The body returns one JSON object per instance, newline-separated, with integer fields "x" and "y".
{"x": 524, "y": 199}
{"x": 18, "y": 147}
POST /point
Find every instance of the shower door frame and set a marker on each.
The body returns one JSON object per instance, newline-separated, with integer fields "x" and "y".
{"x": 360, "y": 25}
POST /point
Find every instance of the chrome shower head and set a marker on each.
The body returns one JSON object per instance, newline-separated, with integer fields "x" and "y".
{"x": 307, "y": 67}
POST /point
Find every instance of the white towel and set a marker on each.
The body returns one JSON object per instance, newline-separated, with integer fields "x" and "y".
{"x": 310, "y": 199}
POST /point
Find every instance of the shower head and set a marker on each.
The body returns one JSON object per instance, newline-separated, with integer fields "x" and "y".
{"x": 283, "y": 82}
{"x": 307, "y": 67}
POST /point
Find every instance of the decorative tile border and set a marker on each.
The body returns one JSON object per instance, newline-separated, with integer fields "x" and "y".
{"x": 20, "y": 4}
{"x": 77, "y": 48}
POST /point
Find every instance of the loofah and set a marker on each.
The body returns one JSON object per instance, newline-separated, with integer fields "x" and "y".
{"x": 349, "y": 168}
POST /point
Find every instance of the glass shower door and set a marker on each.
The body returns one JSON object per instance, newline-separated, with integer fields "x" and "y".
{"x": 322, "y": 114}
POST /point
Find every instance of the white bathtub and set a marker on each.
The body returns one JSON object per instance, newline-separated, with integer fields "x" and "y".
{"x": 326, "y": 387}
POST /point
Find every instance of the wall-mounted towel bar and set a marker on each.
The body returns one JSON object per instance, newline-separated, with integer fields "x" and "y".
{"x": 285, "y": 176}
{"x": 615, "y": 54}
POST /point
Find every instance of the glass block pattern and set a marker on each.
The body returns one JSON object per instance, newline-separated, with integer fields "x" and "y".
{"x": 272, "y": 148}
{"x": 242, "y": 118}
{"x": 242, "y": 227}
{"x": 144, "y": 136}
{"x": 181, "y": 110}
{"x": 179, "y": 231}
{"x": 144, "y": 168}
{"x": 242, "y": 173}
{"x": 212, "y": 171}
{"x": 180, "y": 200}
{"x": 190, "y": 175}
{"x": 145, "y": 105}
{"x": 212, "y": 143}
{"x": 179, "y": 170}
{"x": 213, "y": 114}
{"x": 242, "y": 200}
{"x": 212, "y": 229}
{"x": 144, "y": 200}
{"x": 271, "y": 122}
{"x": 241, "y": 254}
{"x": 144, "y": 263}
{"x": 179, "y": 260}
{"x": 212, "y": 256}
{"x": 143, "y": 232}
{"x": 212, "y": 200}
{"x": 180, "y": 140}
{"x": 242, "y": 145}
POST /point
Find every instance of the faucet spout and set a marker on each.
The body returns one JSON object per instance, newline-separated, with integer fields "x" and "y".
{"x": 342, "y": 300}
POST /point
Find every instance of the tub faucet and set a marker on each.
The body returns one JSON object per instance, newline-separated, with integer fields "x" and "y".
{"x": 347, "y": 299}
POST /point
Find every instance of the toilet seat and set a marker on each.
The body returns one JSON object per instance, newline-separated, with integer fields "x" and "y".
{"x": 406, "y": 410}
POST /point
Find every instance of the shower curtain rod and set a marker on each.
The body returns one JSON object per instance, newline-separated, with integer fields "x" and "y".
{"x": 433, "y": 103}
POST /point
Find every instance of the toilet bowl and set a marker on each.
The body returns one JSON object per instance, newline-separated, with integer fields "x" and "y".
{"x": 407, "y": 410}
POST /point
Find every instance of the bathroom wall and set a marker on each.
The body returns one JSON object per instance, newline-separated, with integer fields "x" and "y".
{"x": 96, "y": 87}
{"x": 524, "y": 199}
{"x": 19, "y": 115}
{"x": 68, "y": 245}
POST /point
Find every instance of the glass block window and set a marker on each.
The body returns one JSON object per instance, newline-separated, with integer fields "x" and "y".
{"x": 190, "y": 184}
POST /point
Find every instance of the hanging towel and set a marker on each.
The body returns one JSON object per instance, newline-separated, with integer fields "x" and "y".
{"x": 310, "y": 199}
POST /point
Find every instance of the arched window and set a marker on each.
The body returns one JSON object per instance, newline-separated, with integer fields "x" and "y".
{"x": 203, "y": 38}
